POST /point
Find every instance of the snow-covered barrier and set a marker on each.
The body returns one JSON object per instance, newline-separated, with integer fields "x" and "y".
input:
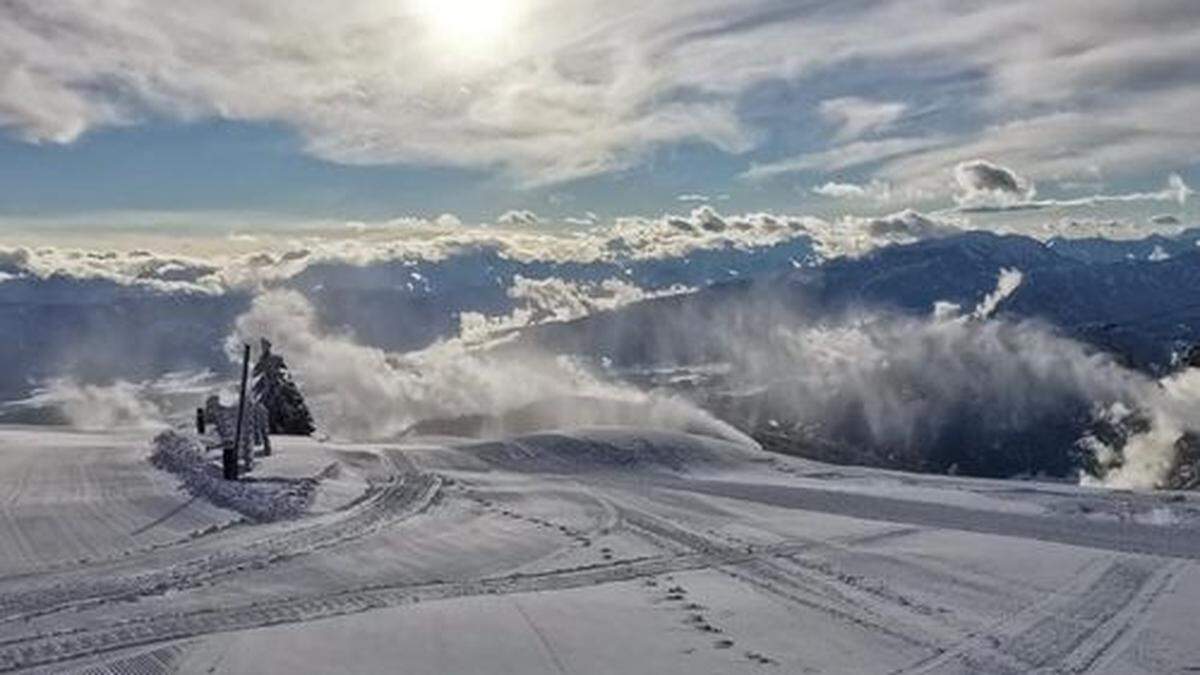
{"x": 277, "y": 499}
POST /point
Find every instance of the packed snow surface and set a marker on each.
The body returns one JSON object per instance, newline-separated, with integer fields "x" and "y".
{"x": 595, "y": 550}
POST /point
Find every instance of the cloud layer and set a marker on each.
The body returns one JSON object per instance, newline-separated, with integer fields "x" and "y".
{"x": 619, "y": 247}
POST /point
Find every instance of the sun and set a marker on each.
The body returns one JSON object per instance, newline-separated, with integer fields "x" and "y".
{"x": 467, "y": 26}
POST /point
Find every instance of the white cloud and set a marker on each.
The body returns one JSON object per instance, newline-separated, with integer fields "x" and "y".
{"x": 447, "y": 220}
{"x": 875, "y": 191}
{"x": 1176, "y": 191}
{"x": 858, "y": 153}
{"x": 130, "y": 268}
{"x": 843, "y": 190}
{"x": 588, "y": 219}
{"x": 519, "y": 218}
{"x": 856, "y": 117}
{"x": 275, "y": 258}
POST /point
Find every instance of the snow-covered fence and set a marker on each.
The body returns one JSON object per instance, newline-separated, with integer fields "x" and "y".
{"x": 186, "y": 457}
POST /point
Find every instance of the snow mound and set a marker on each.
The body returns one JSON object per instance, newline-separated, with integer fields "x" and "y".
{"x": 260, "y": 500}
{"x": 583, "y": 412}
{"x": 614, "y": 448}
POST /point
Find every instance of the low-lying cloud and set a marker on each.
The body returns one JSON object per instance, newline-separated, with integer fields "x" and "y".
{"x": 271, "y": 260}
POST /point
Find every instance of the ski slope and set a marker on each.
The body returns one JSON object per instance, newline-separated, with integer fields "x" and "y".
{"x": 581, "y": 551}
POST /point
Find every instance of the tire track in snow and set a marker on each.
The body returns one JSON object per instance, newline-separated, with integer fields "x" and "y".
{"x": 1067, "y": 630}
{"x": 71, "y": 645}
{"x": 404, "y": 495}
{"x": 788, "y": 577}
{"x": 161, "y": 661}
{"x": 111, "y": 490}
{"x": 1116, "y": 631}
{"x": 542, "y": 639}
{"x": 701, "y": 553}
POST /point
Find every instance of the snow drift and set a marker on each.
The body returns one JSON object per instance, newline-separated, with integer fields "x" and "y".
{"x": 277, "y": 499}
{"x": 614, "y": 448}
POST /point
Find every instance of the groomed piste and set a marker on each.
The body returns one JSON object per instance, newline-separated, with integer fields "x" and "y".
{"x": 578, "y": 550}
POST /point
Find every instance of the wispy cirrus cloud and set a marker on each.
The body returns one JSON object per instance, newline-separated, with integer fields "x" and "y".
{"x": 847, "y": 156}
{"x": 855, "y": 117}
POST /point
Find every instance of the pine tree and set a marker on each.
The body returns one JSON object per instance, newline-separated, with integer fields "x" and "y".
{"x": 287, "y": 413}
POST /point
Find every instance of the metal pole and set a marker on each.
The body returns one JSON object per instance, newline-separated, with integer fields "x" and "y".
{"x": 231, "y": 468}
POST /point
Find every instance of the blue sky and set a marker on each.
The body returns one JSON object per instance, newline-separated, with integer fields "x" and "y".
{"x": 273, "y": 113}
{"x": 253, "y": 168}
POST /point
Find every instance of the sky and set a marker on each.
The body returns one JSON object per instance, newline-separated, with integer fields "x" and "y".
{"x": 234, "y": 115}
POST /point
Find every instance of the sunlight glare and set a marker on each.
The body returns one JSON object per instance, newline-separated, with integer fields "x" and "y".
{"x": 468, "y": 26}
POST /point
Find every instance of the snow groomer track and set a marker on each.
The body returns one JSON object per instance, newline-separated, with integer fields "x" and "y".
{"x": 402, "y": 494}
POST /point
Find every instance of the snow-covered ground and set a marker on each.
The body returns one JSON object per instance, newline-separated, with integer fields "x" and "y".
{"x": 584, "y": 551}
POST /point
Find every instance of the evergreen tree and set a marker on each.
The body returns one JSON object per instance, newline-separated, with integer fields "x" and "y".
{"x": 273, "y": 387}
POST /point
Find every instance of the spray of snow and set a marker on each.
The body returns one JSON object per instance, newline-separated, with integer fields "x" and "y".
{"x": 1149, "y": 455}
{"x": 150, "y": 404}
{"x": 552, "y": 300}
{"x": 1007, "y": 284}
{"x": 95, "y": 407}
{"x": 363, "y": 392}
{"x": 911, "y": 384}
{"x": 900, "y": 381}
{"x": 905, "y": 380}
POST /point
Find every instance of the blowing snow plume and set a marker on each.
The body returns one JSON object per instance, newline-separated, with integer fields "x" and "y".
{"x": 968, "y": 390}
{"x": 363, "y": 392}
{"x": 983, "y": 396}
{"x": 112, "y": 404}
